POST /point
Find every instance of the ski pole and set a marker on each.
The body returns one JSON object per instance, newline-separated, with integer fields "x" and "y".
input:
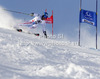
{"x": 17, "y": 12}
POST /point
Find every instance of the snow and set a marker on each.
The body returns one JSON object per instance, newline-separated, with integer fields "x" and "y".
{"x": 25, "y": 56}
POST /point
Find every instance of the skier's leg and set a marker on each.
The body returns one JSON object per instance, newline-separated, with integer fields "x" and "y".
{"x": 45, "y": 34}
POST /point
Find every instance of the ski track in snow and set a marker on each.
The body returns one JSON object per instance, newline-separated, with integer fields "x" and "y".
{"x": 25, "y": 56}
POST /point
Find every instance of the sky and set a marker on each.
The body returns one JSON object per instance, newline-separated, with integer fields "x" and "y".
{"x": 66, "y": 14}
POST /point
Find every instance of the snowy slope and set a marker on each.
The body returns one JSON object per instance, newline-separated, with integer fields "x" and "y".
{"x": 25, "y": 56}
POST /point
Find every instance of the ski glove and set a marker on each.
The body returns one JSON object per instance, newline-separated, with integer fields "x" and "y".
{"x": 45, "y": 34}
{"x": 38, "y": 21}
{"x": 32, "y": 14}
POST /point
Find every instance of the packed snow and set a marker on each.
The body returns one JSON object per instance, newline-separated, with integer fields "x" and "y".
{"x": 25, "y": 56}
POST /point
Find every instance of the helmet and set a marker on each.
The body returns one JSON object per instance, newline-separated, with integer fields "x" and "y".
{"x": 45, "y": 15}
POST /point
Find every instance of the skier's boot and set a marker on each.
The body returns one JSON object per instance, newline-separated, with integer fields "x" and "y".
{"x": 19, "y": 30}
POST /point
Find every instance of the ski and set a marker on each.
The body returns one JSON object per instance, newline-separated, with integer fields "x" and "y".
{"x": 36, "y": 34}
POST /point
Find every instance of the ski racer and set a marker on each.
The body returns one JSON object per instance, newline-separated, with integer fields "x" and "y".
{"x": 36, "y": 22}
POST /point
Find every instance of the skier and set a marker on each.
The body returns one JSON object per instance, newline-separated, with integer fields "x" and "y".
{"x": 36, "y": 22}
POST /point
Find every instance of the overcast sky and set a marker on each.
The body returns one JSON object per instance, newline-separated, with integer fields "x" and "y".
{"x": 66, "y": 13}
